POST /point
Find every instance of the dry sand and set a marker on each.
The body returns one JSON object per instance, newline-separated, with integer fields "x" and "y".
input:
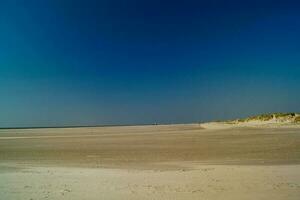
{"x": 150, "y": 162}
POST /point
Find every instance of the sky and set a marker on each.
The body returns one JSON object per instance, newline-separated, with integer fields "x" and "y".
{"x": 66, "y": 63}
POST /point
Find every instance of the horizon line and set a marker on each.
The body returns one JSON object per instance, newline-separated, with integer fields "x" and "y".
{"x": 91, "y": 126}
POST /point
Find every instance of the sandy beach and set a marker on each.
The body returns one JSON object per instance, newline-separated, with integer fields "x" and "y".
{"x": 149, "y": 100}
{"x": 150, "y": 162}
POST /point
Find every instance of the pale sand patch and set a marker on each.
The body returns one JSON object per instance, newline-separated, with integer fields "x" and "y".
{"x": 203, "y": 182}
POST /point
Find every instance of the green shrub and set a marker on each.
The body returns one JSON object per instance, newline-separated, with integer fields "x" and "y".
{"x": 284, "y": 115}
{"x": 263, "y": 117}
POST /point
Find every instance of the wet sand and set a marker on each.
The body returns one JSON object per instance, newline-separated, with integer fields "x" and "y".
{"x": 150, "y": 162}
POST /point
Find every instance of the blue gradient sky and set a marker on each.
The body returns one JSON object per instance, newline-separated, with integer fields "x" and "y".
{"x": 130, "y": 62}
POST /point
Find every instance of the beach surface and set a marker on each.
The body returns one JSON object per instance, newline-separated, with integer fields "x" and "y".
{"x": 189, "y": 161}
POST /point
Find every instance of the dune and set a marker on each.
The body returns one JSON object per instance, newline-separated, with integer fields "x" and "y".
{"x": 273, "y": 120}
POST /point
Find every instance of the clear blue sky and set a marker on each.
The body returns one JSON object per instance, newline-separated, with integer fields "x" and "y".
{"x": 130, "y": 62}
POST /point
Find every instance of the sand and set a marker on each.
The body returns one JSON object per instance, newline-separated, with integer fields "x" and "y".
{"x": 150, "y": 162}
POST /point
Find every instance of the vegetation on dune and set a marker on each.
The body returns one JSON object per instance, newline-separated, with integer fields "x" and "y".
{"x": 293, "y": 117}
{"x": 263, "y": 117}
